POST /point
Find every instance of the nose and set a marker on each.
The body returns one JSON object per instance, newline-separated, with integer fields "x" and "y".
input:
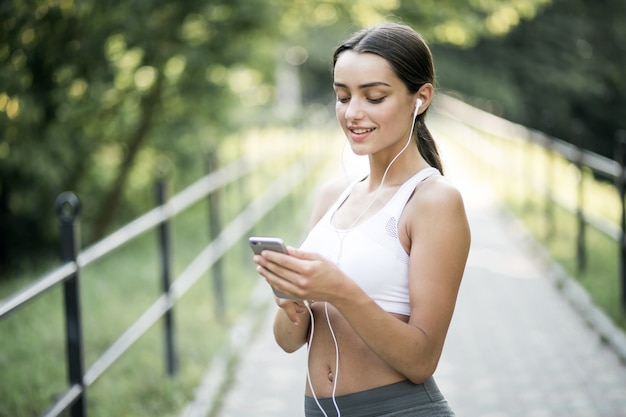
{"x": 353, "y": 111}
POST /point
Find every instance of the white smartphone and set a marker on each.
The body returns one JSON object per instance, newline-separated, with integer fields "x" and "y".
{"x": 261, "y": 243}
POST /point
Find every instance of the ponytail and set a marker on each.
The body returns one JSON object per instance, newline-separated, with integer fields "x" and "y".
{"x": 426, "y": 145}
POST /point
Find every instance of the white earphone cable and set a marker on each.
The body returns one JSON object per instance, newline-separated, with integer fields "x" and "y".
{"x": 308, "y": 351}
{"x": 308, "y": 375}
{"x": 341, "y": 238}
{"x": 380, "y": 186}
{"x": 336, "y": 377}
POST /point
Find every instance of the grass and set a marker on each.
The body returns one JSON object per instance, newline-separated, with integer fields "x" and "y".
{"x": 599, "y": 272}
{"x": 115, "y": 292}
{"x": 519, "y": 172}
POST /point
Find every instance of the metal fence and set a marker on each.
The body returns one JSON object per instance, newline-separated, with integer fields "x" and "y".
{"x": 475, "y": 126}
{"x": 73, "y": 399}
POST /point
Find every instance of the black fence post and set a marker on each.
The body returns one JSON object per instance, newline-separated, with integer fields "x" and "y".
{"x": 549, "y": 201}
{"x": 166, "y": 268}
{"x": 581, "y": 252}
{"x": 214, "y": 231}
{"x": 620, "y": 157}
{"x": 67, "y": 208}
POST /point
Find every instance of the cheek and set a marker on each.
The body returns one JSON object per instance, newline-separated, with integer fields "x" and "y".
{"x": 390, "y": 117}
{"x": 395, "y": 123}
{"x": 340, "y": 111}
{"x": 339, "y": 106}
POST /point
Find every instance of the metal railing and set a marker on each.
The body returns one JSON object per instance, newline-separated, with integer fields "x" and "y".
{"x": 73, "y": 399}
{"x": 475, "y": 125}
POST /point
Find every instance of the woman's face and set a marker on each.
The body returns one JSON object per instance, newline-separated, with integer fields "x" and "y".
{"x": 373, "y": 107}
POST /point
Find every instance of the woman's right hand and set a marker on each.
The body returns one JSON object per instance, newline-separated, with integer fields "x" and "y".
{"x": 291, "y": 325}
{"x": 296, "y": 311}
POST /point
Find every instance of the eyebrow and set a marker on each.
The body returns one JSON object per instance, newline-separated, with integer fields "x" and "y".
{"x": 362, "y": 86}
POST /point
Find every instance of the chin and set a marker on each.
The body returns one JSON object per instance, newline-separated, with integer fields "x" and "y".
{"x": 359, "y": 149}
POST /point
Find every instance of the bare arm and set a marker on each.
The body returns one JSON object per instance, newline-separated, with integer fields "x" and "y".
{"x": 291, "y": 325}
{"x": 292, "y": 319}
{"x": 439, "y": 243}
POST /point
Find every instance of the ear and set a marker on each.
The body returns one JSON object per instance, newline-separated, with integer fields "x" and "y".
{"x": 425, "y": 93}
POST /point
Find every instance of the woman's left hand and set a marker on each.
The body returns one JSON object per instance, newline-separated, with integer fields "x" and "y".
{"x": 305, "y": 275}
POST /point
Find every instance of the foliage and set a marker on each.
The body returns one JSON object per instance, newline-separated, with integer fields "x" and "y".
{"x": 94, "y": 99}
{"x": 118, "y": 288}
{"x": 561, "y": 72}
{"x": 448, "y": 22}
{"x": 97, "y": 97}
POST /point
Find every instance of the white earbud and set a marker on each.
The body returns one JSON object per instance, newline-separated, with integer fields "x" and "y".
{"x": 418, "y": 104}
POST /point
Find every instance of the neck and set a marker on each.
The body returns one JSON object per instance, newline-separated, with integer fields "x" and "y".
{"x": 405, "y": 166}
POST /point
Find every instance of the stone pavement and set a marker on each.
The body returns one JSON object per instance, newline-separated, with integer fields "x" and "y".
{"x": 516, "y": 346}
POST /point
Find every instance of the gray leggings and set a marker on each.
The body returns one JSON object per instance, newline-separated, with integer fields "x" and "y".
{"x": 402, "y": 399}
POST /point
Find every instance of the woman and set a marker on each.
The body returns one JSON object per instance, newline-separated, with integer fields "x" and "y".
{"x": 381, "y": 267}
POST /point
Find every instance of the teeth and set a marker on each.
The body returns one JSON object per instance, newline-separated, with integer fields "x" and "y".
{"x": 361, "y": 131}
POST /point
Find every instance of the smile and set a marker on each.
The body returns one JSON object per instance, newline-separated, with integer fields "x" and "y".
{"x": 361, "y": 131}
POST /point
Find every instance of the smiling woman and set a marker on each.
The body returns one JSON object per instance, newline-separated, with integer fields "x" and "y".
{"x": 372, "y": 103}
{"x": 402, "y": 67}
{"x": 375, "y": 282}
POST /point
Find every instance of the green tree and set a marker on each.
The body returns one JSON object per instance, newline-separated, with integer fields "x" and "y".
{"x": 89, "y": 89}
{"x": 95, "y": 94}
{"x": 562, "y": 72}
{"x": 319, "y": 26}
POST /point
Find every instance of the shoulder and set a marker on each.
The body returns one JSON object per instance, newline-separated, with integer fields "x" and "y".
{"x": 437, "y": 192}
{"x": 436, "y": 202}
{"x": 328, "y": 193}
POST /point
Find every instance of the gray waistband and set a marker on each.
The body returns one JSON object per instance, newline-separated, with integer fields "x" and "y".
{"x": 377, "y": 401}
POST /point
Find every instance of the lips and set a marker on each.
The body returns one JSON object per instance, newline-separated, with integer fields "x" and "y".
{"x": 359, "y": 133}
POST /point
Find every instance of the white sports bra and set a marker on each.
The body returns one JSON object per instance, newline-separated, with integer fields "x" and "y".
{"x": 371, "y": 253}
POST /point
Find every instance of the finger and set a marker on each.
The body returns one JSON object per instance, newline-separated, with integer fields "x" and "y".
{"x": 290, "y": 309}
{"x": 300, "y": 308}
{"x": 300, "y": 254}
{"x": 278, "y": 282}
{"x": 282, "y": 267}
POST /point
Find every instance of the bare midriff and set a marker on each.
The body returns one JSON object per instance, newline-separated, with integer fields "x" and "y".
{"x": 359, "y": 367}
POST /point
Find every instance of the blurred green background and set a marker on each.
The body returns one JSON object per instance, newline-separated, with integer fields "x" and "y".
{"x": 98, "y": 96}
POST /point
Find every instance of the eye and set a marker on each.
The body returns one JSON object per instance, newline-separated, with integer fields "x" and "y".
{"x": 343, "y": 99}
{"x": 376, "y": 100}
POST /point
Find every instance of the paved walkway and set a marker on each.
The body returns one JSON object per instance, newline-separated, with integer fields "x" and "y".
{"x": 516, "y": 347}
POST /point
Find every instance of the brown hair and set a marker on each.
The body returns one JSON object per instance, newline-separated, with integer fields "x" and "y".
{"x": 411, "y": 61}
